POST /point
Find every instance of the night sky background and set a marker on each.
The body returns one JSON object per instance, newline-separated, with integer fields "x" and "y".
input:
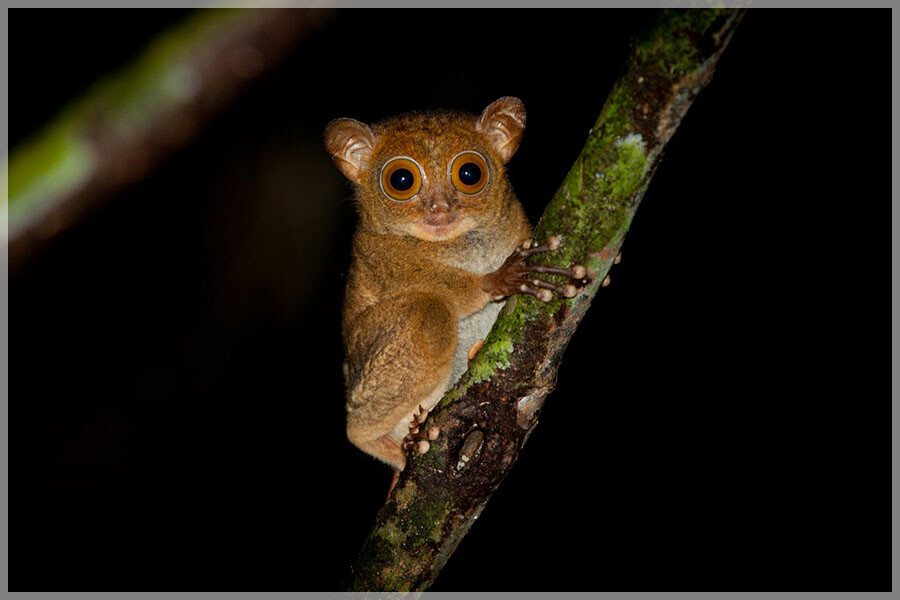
{"x": 176, "y": 398}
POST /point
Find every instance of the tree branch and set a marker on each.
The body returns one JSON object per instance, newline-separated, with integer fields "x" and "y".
{"x": 127, "y": 124}
{"x": 487, "y": 416}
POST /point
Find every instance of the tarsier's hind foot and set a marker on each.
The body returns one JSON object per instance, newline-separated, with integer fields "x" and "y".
{"x": 515, "y": 277}
{"x": 418, "y": 436}
{"x": 416, "y": 440}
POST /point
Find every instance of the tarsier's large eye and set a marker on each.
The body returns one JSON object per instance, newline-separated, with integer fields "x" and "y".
{"x": 469, "y": 172}
{"x": 401, "y": 179}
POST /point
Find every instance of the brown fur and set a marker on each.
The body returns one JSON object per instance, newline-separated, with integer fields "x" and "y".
{"x": 417, "y": 286}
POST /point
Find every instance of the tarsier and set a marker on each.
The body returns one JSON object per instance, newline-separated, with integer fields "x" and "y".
{"x": 441, "y": 242}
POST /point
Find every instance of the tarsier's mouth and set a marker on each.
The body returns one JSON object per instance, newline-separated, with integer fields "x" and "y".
{"x": 440, "y": 219}
{"x": 443, "y": 229}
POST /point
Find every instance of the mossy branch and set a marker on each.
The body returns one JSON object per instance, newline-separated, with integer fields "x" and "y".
{"x": 486, "y": 418}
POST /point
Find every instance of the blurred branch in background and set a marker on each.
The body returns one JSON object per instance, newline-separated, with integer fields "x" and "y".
{"x": 128, "y": 123}
{"x": 488, "y": 415}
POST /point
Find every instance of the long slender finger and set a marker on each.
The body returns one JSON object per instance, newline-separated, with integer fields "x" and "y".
{"x": 576, "y": 272}
{"x": 568, "y": 291}
{"x": 526, "y": 250}
{"x": 551, "y": 244}
{"x": 542, "y": 295}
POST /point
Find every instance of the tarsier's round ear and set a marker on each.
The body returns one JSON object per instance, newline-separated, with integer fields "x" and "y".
{"x": 503, "y": 122}
{"x": 350, "y": 144}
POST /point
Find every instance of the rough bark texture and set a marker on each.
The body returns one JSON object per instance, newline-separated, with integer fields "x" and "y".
{"x": 127, "y": 124}
{"x": 486, "y": 418}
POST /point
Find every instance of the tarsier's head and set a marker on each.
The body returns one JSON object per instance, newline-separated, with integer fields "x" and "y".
{"x": 434, "y": 176}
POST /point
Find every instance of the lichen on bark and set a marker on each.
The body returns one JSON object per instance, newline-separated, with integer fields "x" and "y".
{"x": 501, "y": 395}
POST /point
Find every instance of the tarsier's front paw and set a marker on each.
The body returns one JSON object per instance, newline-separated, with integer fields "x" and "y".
{"x": 418, "y": 436}
{"x": 515, "y": 277}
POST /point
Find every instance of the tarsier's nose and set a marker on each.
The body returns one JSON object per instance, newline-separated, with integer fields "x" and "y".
{"x": 438, "y": 209}
{"x": 438, "y": 203}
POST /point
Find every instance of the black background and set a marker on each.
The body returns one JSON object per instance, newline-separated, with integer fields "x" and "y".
{"x": 176, "y": 400}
